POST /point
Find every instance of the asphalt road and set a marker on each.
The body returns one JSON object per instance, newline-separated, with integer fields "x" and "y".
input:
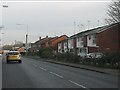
{"x": 39, "y": 74}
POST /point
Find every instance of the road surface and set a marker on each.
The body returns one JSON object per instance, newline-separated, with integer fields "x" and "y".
{"x": 40, "y": 74}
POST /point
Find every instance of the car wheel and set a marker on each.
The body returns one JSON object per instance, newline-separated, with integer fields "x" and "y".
{"x": 7, "y": 61}
{"x": 20, "y": 61}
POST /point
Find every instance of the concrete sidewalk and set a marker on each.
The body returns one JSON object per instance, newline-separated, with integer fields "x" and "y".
{"x": 88, "y": 67}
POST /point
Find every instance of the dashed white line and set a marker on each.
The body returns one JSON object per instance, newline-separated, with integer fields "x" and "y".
{"x": 56, "y": 74}
{"x": 43, "y": 68}
{"x": 44, "y": 62}
{"x": 61, "y": 77}
{"x": 77, "y": 84}
{"x": 35, "y": 65}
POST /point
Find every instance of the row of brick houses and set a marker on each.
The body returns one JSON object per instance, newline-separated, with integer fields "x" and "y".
{"x": 102, "y": 39}
{"x": 47, "y": 42}
{"x": 105, "y": 39}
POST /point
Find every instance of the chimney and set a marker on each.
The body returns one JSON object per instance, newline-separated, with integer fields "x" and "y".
{"x": 39, "y": 38}
{"x": 46, "y": 36}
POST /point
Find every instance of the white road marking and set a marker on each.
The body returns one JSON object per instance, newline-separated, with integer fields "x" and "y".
{"x": 56, "y": 74}
{"x": 43, "y": 68}
{"x": 77, "y": 84}
{"x": 35, "y": 65}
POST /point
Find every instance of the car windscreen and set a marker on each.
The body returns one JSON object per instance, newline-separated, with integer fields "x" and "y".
{"x": 13, "y": 53}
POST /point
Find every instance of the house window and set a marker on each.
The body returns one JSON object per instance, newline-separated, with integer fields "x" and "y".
{"x": 81, "y": 43}
{"x": 94, "y": 41}
{"x": 89, "y": 37}
{"x": 49, "y": 43}
{"x": 78, "y": 39}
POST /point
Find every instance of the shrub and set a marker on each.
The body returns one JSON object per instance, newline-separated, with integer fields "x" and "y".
{"x": 68, "y": 57}
{"x": 111, "y": 60}
{"x": 32, "y": 53}
{"x": 46, "y": 53}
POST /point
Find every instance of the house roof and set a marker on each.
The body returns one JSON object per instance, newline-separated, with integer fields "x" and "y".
{"x": 95, "y": 30}
{"x": 42, "y": 40}
{"x": 54, "y": 39}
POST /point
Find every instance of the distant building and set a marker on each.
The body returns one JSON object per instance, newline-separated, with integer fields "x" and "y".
{"x": 41, "y": 43}
{"x": 48, "y": 42}
{"x": 21, "y": 50}
{"x": 54, "y": 42}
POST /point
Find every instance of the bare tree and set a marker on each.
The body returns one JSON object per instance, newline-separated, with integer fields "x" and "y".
{"x": 113, "y": 12}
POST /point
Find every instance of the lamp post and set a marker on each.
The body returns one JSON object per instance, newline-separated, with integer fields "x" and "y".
{"x": 3, "y": 6}
{"x": 88, "y": 24}
{"x": 26, "y": 41}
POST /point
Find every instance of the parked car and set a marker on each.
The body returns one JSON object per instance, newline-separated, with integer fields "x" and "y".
{"x": 0, "y": 55}
{"x": 13, "y": 56}
{"x": 94, "y": 55}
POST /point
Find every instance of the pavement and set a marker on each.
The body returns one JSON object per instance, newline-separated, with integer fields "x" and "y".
{"x": 88, "y": 67}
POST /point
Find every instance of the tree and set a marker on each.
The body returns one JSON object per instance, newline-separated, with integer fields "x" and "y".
{"x": 113, "y": 12}
{"x": 7, "y": 47}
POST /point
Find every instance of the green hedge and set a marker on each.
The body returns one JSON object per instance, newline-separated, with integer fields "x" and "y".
{"x": 108, "y": 60}
{"x": 68, "y": 57}
{"x": 46, "y": 53}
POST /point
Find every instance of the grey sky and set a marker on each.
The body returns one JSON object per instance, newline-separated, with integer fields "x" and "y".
{"x": 49, "y": 18}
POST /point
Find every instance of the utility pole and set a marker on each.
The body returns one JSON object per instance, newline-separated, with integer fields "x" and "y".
{"x": 26, "y": 45}
{"x": 26, "y": 36}
{"x": 3, "y": 6}
{"x": 98, "y": 22}
{"x": 88, "y": 24}
{"x": 74, "y": 27}
{"x": 26, "y": 39}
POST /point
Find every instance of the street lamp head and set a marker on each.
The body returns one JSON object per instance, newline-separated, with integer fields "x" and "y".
{"x": 5, "y": 6}
{"x": 18, "y": 24}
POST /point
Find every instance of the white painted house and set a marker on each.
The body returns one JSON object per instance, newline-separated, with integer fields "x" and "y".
{"x": 81, "y": 50}
{"x": 70, "y": 44}
{"x": 60, "y": 47}
{"x": 91, "y": 40}
{"x": 65, "y": 46}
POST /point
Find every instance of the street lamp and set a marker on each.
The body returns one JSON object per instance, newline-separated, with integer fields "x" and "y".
{"x": 88, "y": 24}
{"x": 3, "y": 6}
{"x": 26, "y": 44}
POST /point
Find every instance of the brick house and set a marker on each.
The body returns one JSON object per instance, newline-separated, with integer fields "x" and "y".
{"x": 41, "y": 43}
{"x": 54, "y": 42}
{"x": 102, "y": 39}
{"x": 72, "y": 44}
{"x": 47, "y": 42}
{"x": 63, "y": 46}
{"x": 105, "y": 39}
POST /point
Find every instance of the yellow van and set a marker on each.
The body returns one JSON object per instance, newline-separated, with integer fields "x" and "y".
{"x": 13, "y": 56}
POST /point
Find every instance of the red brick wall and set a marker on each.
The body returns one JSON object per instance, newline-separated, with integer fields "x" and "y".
{"x": 108, "y": 40}
{"x": 92, "y": 49}
{"x": 55, "y": 42}
{"x": 85, "y": 41}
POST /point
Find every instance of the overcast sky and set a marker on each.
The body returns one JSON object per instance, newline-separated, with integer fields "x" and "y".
{"x": 49, "y": 18}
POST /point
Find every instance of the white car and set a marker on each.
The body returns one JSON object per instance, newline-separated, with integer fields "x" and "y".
{"x": 94, "y": 55}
